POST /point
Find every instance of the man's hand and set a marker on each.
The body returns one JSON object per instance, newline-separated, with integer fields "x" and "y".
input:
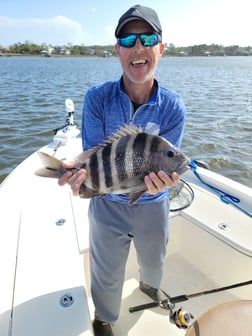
{"x": 157, "y": 182}
{"x": 74, "y": 180}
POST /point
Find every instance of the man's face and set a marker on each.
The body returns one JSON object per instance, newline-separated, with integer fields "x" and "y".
{"x": 139, "y": 62}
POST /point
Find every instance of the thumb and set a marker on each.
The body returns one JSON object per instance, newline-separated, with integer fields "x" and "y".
{"x": 68, "y": 164}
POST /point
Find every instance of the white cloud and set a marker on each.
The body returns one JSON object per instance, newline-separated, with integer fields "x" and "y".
{"x": 220, "y": 22}
{"x": 58, "y": 30}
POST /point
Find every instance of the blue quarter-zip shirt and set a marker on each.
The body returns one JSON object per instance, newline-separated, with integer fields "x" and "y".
{"x": 107, "y": 107}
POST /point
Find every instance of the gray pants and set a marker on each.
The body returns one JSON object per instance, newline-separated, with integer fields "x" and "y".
{"x": 112, "y": 227}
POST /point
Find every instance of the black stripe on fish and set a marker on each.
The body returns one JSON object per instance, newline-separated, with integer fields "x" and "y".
{"x": 106, "y": 161}
{"x": 139, "y": 147}
{"x": 94, "y": 171}
{"x": 155, "y": 144}
{"x": 120, "y": 162}
{"x": 154, "y": 148}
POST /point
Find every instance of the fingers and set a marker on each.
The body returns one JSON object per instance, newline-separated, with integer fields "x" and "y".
{"x": 65, "y": 178}
{"x": 73, "y": 179}
{"x": 169, "y": 181}
{"x": 157, "y": 182}
{"x": 76, "y": 181}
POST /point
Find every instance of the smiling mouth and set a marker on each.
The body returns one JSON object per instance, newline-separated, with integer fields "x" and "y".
{"x": 139, "y": 62}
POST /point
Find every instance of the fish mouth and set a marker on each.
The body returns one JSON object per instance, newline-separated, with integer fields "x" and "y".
{"x": 183, "y": 167}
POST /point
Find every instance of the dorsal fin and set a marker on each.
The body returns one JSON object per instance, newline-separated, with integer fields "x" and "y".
{"x": 121, "y": 132}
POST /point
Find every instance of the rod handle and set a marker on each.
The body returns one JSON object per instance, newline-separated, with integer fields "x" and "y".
{"x": 143, "y": 306}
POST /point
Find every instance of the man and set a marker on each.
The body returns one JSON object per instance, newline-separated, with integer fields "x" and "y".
{"x": 136, "y": 98}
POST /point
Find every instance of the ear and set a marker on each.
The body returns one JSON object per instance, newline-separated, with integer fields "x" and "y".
{"x": 161, "y": 48}
{"x": 116, "y": 47}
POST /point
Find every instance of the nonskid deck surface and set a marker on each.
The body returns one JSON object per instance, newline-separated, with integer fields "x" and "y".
{"x": 183, "y": 276}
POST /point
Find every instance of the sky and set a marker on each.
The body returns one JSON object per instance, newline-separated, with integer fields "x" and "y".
{"x": 84, "y": 22}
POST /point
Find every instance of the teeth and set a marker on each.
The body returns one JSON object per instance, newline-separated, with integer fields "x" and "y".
{"x": 139, "y": 62}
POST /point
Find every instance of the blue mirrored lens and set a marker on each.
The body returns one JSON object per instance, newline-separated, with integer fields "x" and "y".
{"x": 147, "y": 40}
{"x": 128, "y": 41}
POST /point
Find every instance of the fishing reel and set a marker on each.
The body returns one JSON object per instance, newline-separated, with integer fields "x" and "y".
{"x": 180, "y": 317}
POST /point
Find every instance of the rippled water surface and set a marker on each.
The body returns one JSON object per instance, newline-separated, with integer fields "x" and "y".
{"x": 217, "y": 92}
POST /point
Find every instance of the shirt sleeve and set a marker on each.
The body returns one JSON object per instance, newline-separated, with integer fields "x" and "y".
{"x": 92, "y": 119}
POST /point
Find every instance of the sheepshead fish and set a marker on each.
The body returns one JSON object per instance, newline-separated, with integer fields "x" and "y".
{"x": 120, "y": 163}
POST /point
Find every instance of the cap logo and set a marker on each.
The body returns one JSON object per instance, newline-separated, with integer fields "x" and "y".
{"x": 136, "y": 13}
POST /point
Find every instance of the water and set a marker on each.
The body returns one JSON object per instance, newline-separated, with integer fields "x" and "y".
{"x": 217, "y": 92}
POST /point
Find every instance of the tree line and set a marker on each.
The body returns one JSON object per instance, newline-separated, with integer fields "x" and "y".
{"x": 29, "y": 48}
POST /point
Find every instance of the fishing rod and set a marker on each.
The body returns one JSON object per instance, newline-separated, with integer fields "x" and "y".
{"x": 180, "y": 317}
{"x": 185, "y": 297}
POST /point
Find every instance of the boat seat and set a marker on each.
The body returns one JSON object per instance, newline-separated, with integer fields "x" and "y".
{"x": 231, "y": 318}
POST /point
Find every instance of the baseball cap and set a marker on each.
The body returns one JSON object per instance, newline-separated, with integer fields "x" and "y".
{"x": 139, "y": 12}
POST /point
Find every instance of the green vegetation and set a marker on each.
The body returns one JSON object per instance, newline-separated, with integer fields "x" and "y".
{"x": 207, "y": 50}
{"x": 29, "y": 48}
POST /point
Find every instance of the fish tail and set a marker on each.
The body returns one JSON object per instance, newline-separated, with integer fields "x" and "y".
{"x": 52, "y": 166}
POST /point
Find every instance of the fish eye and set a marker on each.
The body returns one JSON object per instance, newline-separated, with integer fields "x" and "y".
{"x": 170, "y": 154}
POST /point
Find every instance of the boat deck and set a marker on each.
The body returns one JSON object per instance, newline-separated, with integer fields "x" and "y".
{"x": 189, "y": 268}
{"x": 44, "y": 259}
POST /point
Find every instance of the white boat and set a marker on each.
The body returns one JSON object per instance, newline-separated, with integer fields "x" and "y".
{"x": 44, "y": 261}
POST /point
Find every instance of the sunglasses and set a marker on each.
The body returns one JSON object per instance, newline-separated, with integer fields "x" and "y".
{"x": 147, "y": 40}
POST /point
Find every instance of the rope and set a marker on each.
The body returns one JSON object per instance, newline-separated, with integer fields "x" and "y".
{"x": 224, "y": 197}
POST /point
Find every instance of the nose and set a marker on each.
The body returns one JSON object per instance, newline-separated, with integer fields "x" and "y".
{"x": 138, "y": 45}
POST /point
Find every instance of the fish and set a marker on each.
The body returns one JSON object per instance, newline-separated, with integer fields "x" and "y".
{"x": 120, "y": 163}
